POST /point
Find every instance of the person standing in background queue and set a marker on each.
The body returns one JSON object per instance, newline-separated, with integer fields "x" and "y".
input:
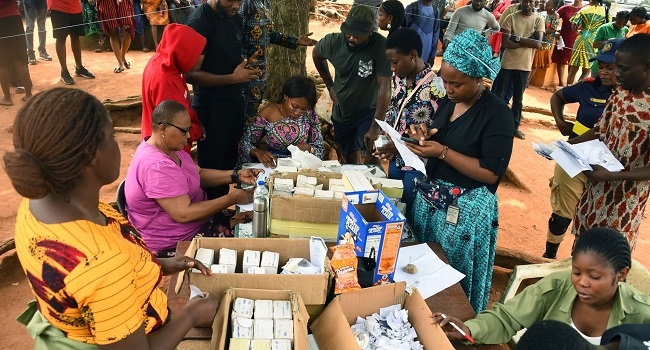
{"x": 217, "y": 79}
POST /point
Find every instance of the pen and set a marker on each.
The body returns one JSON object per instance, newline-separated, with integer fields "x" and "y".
{"x": 465, "y": 335}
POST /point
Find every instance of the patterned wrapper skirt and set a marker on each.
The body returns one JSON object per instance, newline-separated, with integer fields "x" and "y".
{"x": 469, "y": 245}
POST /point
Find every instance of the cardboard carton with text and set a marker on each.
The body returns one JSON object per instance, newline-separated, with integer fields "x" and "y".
{"x": 371, "y": 222}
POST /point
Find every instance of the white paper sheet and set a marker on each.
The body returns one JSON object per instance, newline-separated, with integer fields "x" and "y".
{"x": 579, "y": 157}
{"x": 410, "y": 159}
{"x": 432, "y": 276}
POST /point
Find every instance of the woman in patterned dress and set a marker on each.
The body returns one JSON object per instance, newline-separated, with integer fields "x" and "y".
{"x": 290, "y": 121}
{"x": 542, "y": 57}
{"x": 586, "y": 22}
{"x": 618, "y": 200}
{"x": 91, "y": 24}
{"x": 115, "y": 14}
{"x": 416, "y": 91}
{"x": 468, "y": 149}
{"x": 157, "y": 13}
{"x": 561, "y": 57}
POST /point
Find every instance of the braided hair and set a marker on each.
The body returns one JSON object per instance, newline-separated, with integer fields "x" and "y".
{"x": 396, "y": 9}
{"x": 608, "y": 244}
{"x": 56, "y": 135}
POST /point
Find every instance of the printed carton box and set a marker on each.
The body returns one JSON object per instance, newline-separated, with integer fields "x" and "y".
{"x": 371, "y": 222}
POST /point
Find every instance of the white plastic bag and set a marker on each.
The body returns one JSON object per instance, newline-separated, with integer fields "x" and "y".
{"x": 307, "y": 159}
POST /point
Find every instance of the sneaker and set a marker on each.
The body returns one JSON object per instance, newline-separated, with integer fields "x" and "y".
{"x": 520, "y": 135}
{"x": 66, "y": 78}
{"x": 31, "y": 58}
{"x": 83, "y": 72}
{"x": 45, "y": 56}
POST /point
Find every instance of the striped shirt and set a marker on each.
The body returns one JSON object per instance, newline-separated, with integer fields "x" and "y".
{"x": 98, "y": 284}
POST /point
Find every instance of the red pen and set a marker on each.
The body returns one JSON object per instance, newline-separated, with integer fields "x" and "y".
{"x": 465, "y": 335}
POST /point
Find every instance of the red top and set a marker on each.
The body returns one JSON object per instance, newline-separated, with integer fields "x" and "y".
{"x": 8, "y": 8}
{"x": 65, "y": 6}
{"x": 179, "y": 49}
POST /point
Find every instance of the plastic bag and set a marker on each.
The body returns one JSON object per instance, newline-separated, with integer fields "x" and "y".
{"x": 306, "y": 159}
{"x": 344, "y": 264}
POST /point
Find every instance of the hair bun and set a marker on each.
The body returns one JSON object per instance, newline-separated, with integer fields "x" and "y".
{"x": 27, "y": 174}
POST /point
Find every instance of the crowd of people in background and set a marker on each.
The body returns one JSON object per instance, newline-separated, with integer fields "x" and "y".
{"x": 461, "y": 128}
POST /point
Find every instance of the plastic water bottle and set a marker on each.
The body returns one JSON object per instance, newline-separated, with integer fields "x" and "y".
{"x": 261, "y": 210}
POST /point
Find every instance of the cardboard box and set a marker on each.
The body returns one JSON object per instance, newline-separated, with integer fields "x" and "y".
{"x": 296, "y": 217}
{"x": 371, "y": 221}
{"x": 332, "y": 328}
{"x": 222, "y": 324}
{"x": 312, "y": 288}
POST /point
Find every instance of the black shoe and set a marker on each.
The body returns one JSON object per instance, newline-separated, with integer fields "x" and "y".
{"x": 45, "y": 56}
{"x": 83, "y": 72}
{"x": 66, "y": 78}
{"x": 520, "y": 135}
{"x": 551, "y": 250}
{"x": 31, "y": 58}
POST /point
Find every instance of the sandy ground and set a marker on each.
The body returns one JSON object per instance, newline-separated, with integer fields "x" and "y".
{"x": 523, "y": 215}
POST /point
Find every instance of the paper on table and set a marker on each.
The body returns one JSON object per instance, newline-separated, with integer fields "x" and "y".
{"x": 410, "y": 159}
{"x": 432, "y": 276}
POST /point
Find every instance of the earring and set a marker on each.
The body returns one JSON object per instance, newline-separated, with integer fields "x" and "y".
{"x": 388, "y": 26}
{"x": 163, "y": 136}
{"x": 413, "y": 59}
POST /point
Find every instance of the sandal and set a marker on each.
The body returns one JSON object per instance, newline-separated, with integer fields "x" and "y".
{"x": 20, "y": 90}
{"x": 25, "y": 98}
{"x": 146, "y": 49}
{"x": 118, "y": 70}
{"x": 98, "y": 50}
{"x": 4, "y": 102}
{"x": 127, "y": 65}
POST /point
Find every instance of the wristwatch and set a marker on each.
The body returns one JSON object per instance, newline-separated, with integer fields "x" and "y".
{"x": 515, "y": 38}
{"x": 234, "y": 178}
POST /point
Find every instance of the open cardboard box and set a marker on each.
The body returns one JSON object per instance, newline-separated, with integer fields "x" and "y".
{"x": 332, "y": 328}
{"x": 303, "y": 216}
{"x": 312, "y": 288}
{"x": 221, "y": 328}
{"x": 371, "y": 222}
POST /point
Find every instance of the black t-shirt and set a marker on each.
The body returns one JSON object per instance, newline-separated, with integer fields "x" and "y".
{"x": 485, "y": 131}
{"x": 222, "y": 51}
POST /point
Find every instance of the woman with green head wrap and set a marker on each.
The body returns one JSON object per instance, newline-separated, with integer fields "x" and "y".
{"x": 468, "y": 150}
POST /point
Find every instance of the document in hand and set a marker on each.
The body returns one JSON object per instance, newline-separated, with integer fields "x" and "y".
{"x": 581, "y": 156}
{"x": 410, "y": 159}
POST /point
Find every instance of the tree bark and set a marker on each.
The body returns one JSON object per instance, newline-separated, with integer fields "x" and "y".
{"x": 289, "y": 18}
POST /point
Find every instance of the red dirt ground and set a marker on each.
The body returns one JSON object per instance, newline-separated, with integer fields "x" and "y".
{"x": 523, "y": 215}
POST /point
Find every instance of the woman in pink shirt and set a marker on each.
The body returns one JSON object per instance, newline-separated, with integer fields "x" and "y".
{"x": 163, "y": 186}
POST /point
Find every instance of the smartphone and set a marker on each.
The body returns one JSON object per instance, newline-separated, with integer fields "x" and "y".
{"x": 409, "y": 140}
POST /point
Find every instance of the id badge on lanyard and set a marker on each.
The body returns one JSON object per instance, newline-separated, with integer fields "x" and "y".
{"x": 453, "y": 212}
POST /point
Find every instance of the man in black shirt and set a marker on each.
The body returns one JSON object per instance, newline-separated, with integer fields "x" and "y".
{"x": 217, "y": 79}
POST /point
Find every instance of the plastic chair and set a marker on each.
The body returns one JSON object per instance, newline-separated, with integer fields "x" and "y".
{"x": 638, "y": 277}
{"x": 120, "y": 199}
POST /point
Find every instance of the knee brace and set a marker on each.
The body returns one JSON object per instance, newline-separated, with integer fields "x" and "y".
{"x": 558, "y": 225}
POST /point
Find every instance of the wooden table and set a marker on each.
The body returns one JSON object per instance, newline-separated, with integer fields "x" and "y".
{"x": 450, "y": 301}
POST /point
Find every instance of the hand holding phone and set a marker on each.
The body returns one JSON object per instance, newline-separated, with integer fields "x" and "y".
{"x": 410, "y": 140}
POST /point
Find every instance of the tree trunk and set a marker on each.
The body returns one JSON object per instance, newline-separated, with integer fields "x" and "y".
{"x": 289, "y": 18}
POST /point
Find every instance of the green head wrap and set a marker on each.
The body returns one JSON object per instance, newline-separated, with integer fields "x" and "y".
{"x": 471, "y": 54}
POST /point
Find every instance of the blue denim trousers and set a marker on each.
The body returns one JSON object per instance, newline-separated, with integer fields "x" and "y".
{"x": 35, "y": 11}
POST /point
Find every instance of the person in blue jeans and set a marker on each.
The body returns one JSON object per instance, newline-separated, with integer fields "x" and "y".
{"x": 35, "y": 11}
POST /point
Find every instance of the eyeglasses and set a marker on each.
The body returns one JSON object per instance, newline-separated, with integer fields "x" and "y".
{"x": 297, "y": 108}
{"x": 184, "y": 131}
